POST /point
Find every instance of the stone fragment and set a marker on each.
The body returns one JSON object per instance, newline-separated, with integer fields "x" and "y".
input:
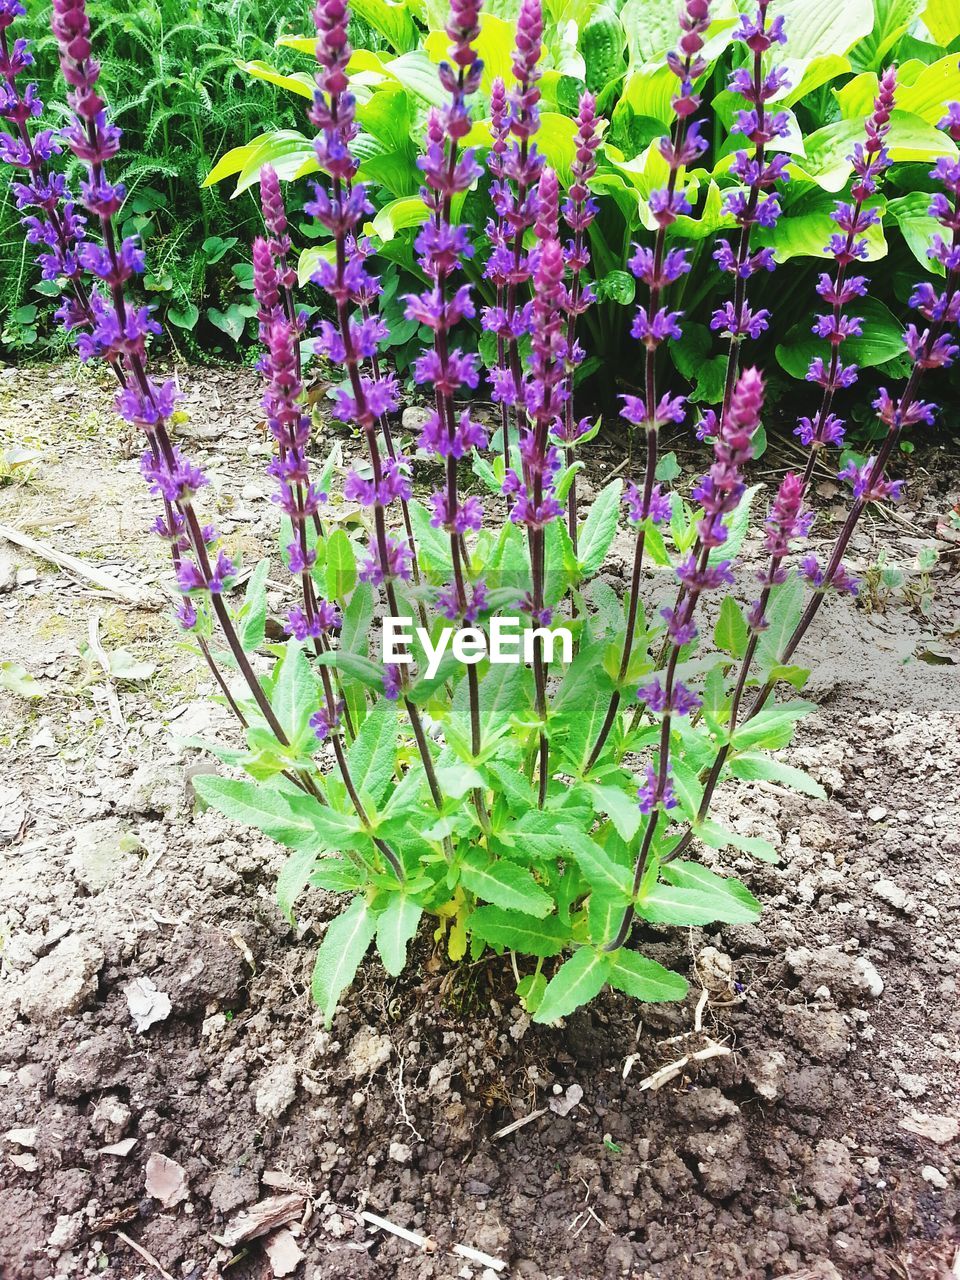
{"x": 62, "y": 983}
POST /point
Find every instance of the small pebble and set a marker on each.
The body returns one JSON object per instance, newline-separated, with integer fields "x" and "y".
{"x": 877, "y": 813}
{"x": 931, "y": 1174}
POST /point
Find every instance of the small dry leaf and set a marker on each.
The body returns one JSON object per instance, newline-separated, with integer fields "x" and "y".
{"x": 147, "y": 1005}
{"x": 262, "y": 1218}
{"x": 119, "y": 1148}
{"x": 939, "y": 1129}
{"x": 166, "y": 1180}
{"x": 283, "y": 1252}
{"x": 22, "y": 1137}
{"x": 564, "y": 1105}
{"x": 27, "y": 1161}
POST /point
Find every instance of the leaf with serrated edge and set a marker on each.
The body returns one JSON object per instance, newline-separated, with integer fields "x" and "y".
{"x": 644, "y": 979}
{"x": 575, "y": 983}
{"x": 519, "y": 932}
{"x": 343, "y": 947}
{"x": 396, "y": 925}
{"x": 504, "y": 885}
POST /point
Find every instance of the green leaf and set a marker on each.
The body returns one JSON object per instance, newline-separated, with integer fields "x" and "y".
{"x": 620, "y": 807}
{"x": 599, "y": 528}
{"x": 518, "y": 932}
{"x": 504, "y": 884}
{"x": 17, "y": 679}
{"x": 717, "y": 837}
{"x": 942, "y": 20}
{"x": 393, "y": 21}
{"x": 731, "y": 632}
{"x": 286, "y": 818}
{"x": 293, "y": 879}
{"x": 372, "y": 754}
{"x": 644, "y": 979}
{"x": 599, "y": 869}
{"x": 433, "y": 546}
{"x": 733, "y": 899}
{"x": 357, "y": 616}
{"x": 395, "y": 927}
{"x": 882, "y": 340}
{"x": 737, "y": 526}
{"x": 617, "y": 286}
{"x": 184, "y": 317}
{"x": 231, "y": 322}
{"x": 752, "y": 765}
{"x": 910, "y": 212}
{"x": 253, "y": 612}
{"x": 341, "y": 568}
{"x": 494, "y": 46}
{"x": 575, "y": 983}
{"x": 827, "y": 150}
{"x": 365, "y": 670}
{"x": 891, "y": 20}
{"x": 783, "y": 613}
{"x": 772, "y": 727}
{"x": 294, "y": 694}
{"x": 343, "y": 947}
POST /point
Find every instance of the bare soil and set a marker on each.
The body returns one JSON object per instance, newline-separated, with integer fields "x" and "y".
{"x": 822, "y": 1145}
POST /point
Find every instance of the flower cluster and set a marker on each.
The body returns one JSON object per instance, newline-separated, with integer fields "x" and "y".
{"x": 847, "y": 246}
{"x": 754, "y": 203}
{"x": 517, "y": 165}
{"x": 340, "y": 206}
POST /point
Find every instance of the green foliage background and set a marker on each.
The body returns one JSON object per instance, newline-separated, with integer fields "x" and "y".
{"x": 209, "y": 94}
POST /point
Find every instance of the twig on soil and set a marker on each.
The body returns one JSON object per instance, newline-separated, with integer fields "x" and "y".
{"x": 147, "y": 1257}
{"x": 483, "y": 1259}
{"x": 517, "y": 1124}
{"x": 412, "y": 1237}
{"x": 85, "y": 572}
{"x": 673, "y": 1069}
{"x": 97, "y": 649}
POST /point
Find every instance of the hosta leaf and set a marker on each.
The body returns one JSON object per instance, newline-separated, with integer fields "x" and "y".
{"x": 525, "y": 934}
{"x": 644, "y": 979}
{"x": 343, "y": 947}
{"x": 576, "y": 982}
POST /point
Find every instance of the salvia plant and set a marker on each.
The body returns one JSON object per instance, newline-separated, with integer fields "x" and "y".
{"x": 551, "y": 805}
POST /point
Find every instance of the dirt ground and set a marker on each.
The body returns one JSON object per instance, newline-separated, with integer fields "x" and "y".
{"x": 821, "y": 1142}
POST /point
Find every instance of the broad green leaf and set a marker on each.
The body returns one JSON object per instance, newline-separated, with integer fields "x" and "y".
{"x": 337, "y": 875}
{"x": 253, "y": 611}
{"x": 737, "y": 526}
{"x": 293, "y": 879}
{"x": 393, "y": 21}
{"x": 341, "y": 567}
{"x": 605, "y": 911}
{"x": 372, "y": 754}
{"x": 357, "y": 617}
{"x": 184, "y": 317}
{"x": 817, "y": 27}
{"x": 575, "y": 983}
{"x": 689, "y": 900}
{"x": 398, "y": 216}
{"x": 752, "y": 765}
{"x": 733, "y": 898}
{"x": 891, "y": 20}
{"x": 621, "y": 808}
{"x": 396, "y": 925}
{"x": 294, "y": 693}
{"x": 942, "y": 20}
{"x": 882, "y": 341}
{"x": 644, "y": 979}
{"x": 911, "y": 213}
{"x": 599, "y": 869}
{"x": 504, "y": 884}
{"x": 773, "y": 725}
{"x": 17, "y": 679}
{"x": 265, "y": 145}
{"x": 827, "y": 150}
{"x": 731, "y": 632}
{"x": 783, "y": 613}
{"x": 343, "y": 947}
{"x": 518, "y": 932}
{"x": 599, "y": 528}
{"x": 352, "y": 664}
{"x": 301, "y": 83}
{"x": 717, "y": 837}
{"x": 806, "y": 234}
{"x": 286, "y": 818}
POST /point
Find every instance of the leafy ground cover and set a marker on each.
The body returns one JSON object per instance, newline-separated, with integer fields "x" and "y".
{"x": 822, "y": 1145}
